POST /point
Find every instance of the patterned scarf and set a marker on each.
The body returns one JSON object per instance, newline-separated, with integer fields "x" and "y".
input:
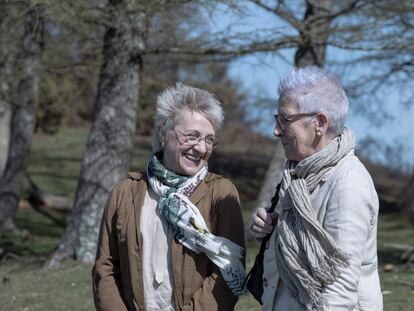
{"x": 188, "y": 225}
{"x": 306, "y": 255}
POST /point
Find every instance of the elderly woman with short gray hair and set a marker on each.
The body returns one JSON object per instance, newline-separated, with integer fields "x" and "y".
{"x": 172, "y": 238}
{"x": 322, "y": 253}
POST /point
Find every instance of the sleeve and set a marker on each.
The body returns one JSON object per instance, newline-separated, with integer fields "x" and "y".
{"x": 348, "y": 220}
{"x": 105, "y": 272}
{"x": 214, "y": 293}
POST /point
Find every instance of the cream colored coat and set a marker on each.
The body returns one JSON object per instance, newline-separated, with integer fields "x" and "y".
{"x": 346, "y": 205}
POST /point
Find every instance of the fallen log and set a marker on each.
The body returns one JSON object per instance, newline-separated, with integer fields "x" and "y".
{"x": 50, "y": 205}
{"x": 48, "y": 200}
{"x": 38, "y": 198}
{"x": 406, "y": 249}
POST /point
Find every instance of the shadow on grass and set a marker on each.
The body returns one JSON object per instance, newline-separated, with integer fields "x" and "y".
{"x": 55, "y": 176}
{"x": 42, "y": 236}
{"x": 41, "y": 157}
{"x": 389, "y": 256}
{"x": 37, "y": 224}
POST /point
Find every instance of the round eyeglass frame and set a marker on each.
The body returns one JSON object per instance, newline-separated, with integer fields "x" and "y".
{"x": 188, "y": 137}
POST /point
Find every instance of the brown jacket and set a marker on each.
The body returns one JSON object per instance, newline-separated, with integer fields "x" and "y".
{"x": 198, "y": 284}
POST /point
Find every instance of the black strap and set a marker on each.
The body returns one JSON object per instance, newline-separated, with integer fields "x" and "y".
{"x": 274, "y": 201}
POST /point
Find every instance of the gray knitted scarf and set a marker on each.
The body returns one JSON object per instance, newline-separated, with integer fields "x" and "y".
{"x": 306, "y": 255}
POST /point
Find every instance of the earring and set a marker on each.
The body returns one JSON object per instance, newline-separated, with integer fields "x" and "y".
{"x": 318, "y": 133}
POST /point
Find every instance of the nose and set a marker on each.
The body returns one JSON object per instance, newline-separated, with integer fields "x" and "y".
{"x": 201, "y": 146}
{"x": 277, "y": 131}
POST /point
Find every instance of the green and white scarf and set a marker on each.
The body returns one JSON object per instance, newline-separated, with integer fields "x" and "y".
{"x": 306, "y": 255}
{"x": 188, "y": 225}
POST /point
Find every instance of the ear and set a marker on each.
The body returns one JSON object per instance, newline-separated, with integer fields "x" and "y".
{"x": 161, "y": 134}
{"x": 322, "y": 124}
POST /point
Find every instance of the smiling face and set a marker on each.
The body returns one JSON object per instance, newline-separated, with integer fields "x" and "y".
{"x": 298, "y": 139}
{"x": 181, "y": 158}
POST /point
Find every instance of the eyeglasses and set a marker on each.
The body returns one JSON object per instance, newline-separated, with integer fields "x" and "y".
{"x": 283, "y": 120}
{"x": 192, "y": 139}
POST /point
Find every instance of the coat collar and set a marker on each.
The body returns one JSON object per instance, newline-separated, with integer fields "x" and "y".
{"x": 135, "y": 175}
{"x": 202, "y": 189}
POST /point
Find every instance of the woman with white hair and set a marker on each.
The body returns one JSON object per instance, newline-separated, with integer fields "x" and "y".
{"x": 322, "y": 252}
{"x": 172, "y": 238}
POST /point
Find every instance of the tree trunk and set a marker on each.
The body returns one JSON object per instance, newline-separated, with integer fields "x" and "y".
{"x": 311, "y": 51}
{"x": 23, "y": 119}
{"x": 5, "y": 120}
{"x": 272, "y": 178}
{"x": 7, "y": 58}
{"x": 109, "y": 145}
{"x": 408, "y": 200}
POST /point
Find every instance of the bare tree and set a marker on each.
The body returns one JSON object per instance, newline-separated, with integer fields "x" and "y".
{"x": 107, "y": 156}
{"x": 7, "y": 59}
{"x": 23, "y": 117}
{"x": 6, "y": 71}
{"x": 5, "y": 122}
{"x": 130, "y": 38}
{"x": 314, "y": 32}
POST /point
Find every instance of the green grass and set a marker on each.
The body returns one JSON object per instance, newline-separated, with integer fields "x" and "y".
{"x": 43, "y": 236}
{"x": 55, "y": 165}
{"x": 398, "y": 290}
{"x": 25, "y": 286}
{"x": 55, "y": 160}
{"x": 393, "y": 230}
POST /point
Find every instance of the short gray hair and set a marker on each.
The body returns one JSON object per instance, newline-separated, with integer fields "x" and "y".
{"x": 314, "y": 89}
{"x": 174, "y": 99}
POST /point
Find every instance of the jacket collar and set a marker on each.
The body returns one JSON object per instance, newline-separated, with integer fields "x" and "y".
{"x": 202, "y": 189}
{"x": 135, "y": 175}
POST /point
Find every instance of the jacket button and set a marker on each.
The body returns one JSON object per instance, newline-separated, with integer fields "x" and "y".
{"x": 265, "y": 282}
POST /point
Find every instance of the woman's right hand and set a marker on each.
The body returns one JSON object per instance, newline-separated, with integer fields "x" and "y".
{"x": 262, "y": 223}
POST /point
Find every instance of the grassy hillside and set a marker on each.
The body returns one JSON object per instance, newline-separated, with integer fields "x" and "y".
{"x": 55, "y": 165}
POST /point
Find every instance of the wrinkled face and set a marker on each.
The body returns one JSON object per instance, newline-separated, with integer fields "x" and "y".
{"x": 298, "y": 138}
{"x": 181, "y": 157}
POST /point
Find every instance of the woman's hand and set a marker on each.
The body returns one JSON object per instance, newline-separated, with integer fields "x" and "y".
{"x": 262, "y": 223}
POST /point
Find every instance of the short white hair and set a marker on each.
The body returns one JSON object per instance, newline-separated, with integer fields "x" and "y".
{"x": 175, "y": 99}
{"x": 314, "y": 89}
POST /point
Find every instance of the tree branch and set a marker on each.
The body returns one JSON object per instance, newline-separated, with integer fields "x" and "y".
{"x": 232, "y": 51}
{"x": 282, "y": 13}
